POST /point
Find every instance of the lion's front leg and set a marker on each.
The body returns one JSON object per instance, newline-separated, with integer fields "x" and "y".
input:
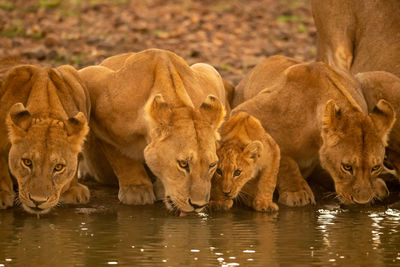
{"x": 293, "y": 189}
{"x": 135, "y": 187}
{"x": 7, "y": 194}
{"x": 263, "y": 200}
{"x": 75, "y": 193}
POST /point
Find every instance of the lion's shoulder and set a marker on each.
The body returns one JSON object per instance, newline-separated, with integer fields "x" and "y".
{"x": 116, "y": 62}
{"x": 266, "y": 74}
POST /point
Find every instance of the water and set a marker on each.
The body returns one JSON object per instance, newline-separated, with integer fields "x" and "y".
{"x": 107, "y": 233}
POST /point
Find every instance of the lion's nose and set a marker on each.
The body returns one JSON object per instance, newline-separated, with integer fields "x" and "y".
{"x": 196, "y": 206}
{"x": 361, "y": 196}
{"x": 227, "y": 193}
{"x": 37, "y": 200}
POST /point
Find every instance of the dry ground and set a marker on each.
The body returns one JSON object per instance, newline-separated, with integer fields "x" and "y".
{"x": 232, "y": 35}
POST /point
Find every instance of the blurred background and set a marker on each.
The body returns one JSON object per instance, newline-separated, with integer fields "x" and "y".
{"x": 231, "y": 35}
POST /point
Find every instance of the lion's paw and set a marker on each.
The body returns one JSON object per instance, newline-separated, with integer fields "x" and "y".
{"x": 76, "y": 194}
{"x": 297, "y": 198}
{"x": 6, "y": 199}
{"x": 381, "y": 191}
{"x": 224, "y": 204}
{"x": 136, "y": 195}
{"x": 264, "y": 205}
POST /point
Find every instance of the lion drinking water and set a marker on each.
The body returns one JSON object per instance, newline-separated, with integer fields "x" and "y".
{"x": 44, "y": 111}
{"x": 152, "y": 108}
{"x": 246, "y": 152}
{"x": 318, "y": 115}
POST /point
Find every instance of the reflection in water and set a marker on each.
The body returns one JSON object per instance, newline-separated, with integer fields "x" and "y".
{"x": 150, "y": 237}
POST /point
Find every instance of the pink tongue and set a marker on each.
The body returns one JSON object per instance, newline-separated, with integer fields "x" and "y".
{"x": 182, "y": 214}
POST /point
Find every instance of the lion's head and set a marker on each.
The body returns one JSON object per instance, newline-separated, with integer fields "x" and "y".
{"x": 43, "y": 156}
{"x": 237, "y": 165}
{"x": 44, "y": 142}
{"x": 353, "y": 150}
{"x": 182, "y": 150}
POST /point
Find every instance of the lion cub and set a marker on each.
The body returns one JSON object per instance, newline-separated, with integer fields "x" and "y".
{"x": 246, "y": 153}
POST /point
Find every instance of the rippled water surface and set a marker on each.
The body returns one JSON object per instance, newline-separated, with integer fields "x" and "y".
{"x": 148, "y": 236}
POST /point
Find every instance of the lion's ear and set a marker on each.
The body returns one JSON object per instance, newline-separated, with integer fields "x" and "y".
{"x": 383, "y": 117}
{"x": 213, "y": 111}
{"x": 77, "y": 129}
{"x": 331, "y": 122}
{"x": 158, "y": 111}
{"x": 254, "y": 149}
{"x": 19, "y": 120}
{"x": 332, "y": 116}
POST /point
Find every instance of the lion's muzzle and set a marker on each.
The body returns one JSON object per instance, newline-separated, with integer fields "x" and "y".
{"x": 37, "y": 204}
{"x": 197, "y": 206}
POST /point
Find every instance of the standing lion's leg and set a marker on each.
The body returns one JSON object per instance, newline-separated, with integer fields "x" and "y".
{"x": 293, "y": 189}
{"x": 135, "y": 186}
{"x": 7, "y": 194}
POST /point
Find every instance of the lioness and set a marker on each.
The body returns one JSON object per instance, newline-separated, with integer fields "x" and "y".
{"x": 152, "y": 108}
{"x": 317, "y": 115}
{"x": 383, "y": 85}
{"x": 359, "y": 35}
{"x": 245, "y": 152}
{"x": 44, "y": 113}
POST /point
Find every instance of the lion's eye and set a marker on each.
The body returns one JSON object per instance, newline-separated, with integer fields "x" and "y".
{"x": 347, "y": 168}
{"x": 183, "y": 164}
{"x": 237, "y": 172}
{"x": 212, "y": 165}
{"x": 59, "y": 167}
{"x": 27, "y": 162}
{"x": 218, "y": 171}
{"x": 376, "y": 168}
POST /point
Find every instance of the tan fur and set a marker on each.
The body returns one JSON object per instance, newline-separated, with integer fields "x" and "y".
{"x": 383, "y": 85}
{"x": 6, "y": 64}
{"x": 152, "y": 107}
{"x": 245, "y": 147}
{"x": 359, "y": 35}
{"x": 118, "y": 61}
{"x": 318, "y": 115}
{"x": 45, "y": 111}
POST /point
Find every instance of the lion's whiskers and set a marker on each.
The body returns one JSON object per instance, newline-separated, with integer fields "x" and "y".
{"x": 329, "y": 195}
{"x": 174, "y": 209}
{"x": 243, "y": 197}
{"x": 244, "y": 192}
